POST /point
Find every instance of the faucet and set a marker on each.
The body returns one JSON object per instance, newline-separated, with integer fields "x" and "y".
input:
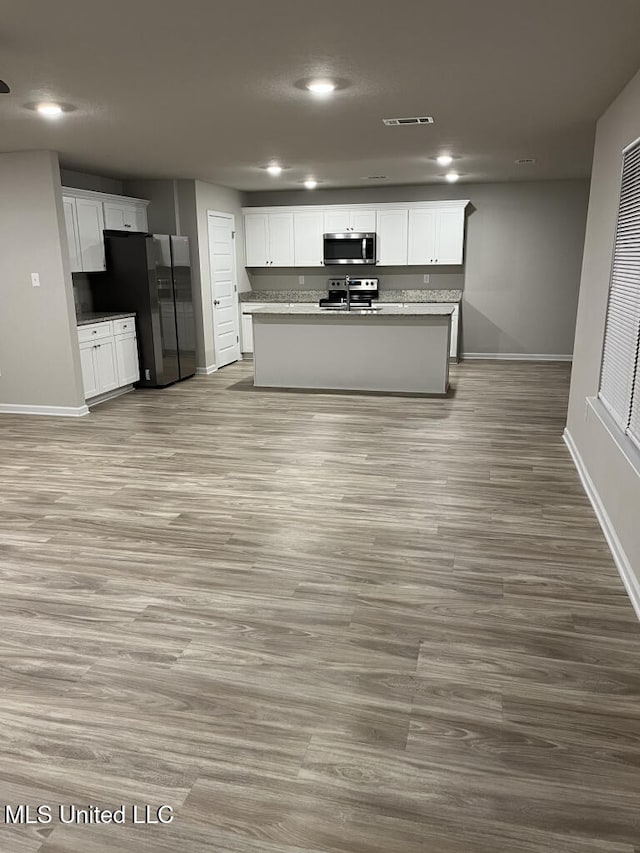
{"x": 347, "y": 281}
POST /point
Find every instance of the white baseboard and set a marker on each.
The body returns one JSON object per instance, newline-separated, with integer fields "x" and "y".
{"x": 514, "y": 356}
{"x": 110, "y": 395}
{"x": 629, "y": 579}
{"x": 52, "y": 411}
{"x": 206, "y": 371}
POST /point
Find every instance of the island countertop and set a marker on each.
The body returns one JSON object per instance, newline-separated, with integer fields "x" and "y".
{"x": 409, "y": 310}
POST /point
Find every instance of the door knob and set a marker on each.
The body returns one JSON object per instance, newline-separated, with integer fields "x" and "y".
{"x": 216, "y": 302}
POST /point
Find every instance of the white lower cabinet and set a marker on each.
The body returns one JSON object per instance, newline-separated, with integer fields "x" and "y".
{"x": 246, "y": 344}
{"x": 108, "y": 356}
{"x": 127, "y": 359}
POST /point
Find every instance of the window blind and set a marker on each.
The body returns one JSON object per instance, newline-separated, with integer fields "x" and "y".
{"x": 622, "y": 333}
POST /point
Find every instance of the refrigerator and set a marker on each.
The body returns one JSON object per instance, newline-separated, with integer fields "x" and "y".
{"x": 151, "y": 275}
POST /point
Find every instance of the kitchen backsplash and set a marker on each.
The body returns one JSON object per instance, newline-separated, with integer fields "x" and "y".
{"x": 82, "y": 293}
{"x": 391, "y": 278}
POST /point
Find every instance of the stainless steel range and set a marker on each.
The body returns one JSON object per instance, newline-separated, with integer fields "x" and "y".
{"x": 346, "y": 292}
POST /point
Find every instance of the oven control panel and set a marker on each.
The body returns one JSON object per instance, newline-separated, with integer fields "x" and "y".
{"x": 359, "y": 284}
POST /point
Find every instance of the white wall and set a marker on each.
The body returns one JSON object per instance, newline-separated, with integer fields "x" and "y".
{"x": 521, "y": 274}
{"x": 615, "y": 477}
{"x": 39, "y": 358}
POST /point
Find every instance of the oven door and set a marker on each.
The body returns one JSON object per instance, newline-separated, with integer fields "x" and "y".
{"x": 350, "y": 247}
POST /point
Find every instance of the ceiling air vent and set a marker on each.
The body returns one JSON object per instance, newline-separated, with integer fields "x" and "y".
{"x": 395, "y": 122}
{"x": 526, "y": 161}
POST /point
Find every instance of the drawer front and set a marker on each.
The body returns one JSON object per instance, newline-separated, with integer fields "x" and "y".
{"x": 95, "y": 331}
{"x": 125, "y": 326}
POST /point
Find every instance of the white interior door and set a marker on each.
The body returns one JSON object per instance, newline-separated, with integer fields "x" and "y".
{"x": 226, "y": 325}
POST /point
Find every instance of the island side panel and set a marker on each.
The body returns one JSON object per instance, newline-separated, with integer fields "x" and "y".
{"x": 357, "y": 353}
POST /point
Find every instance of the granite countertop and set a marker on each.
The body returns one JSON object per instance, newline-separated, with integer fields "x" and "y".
{"x": 385, "y": 296}
{"x": 414, "y": 310}
{"x": 99, "y": 316}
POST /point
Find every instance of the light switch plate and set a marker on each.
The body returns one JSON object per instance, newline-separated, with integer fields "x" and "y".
{"x": 426, "y": 278}
{"x": 35, "y": 279}
{"x": 300, "y": 279}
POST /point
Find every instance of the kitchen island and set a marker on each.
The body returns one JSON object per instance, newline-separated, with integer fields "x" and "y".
{"x": 383, "y": 348}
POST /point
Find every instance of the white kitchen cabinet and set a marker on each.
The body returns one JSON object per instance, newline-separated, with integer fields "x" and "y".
{"x": 73, "y": 238}
{"x": 108, "y": 356}
{"x": 87, "y": 214}
{"x": 339, "y": 221}
{"x": 308, "y": 231}
{"x": 392, "y": 237}
{"x": 84, "y": 224}
{"x": 89, "y": 371}
{"x": 281, "y": 239}
{"x": 90, "y": 228}
{"x": 269, "y": 239}
{"x": 127, "y": 358}
{"x": 106, "y": 365}
{"x": 247, "y": 326}
{"x": 124, "y": 216}
{"x": 256, "y": 235}
{"x": 99, "y": 370}
{"x": 436, "y": 236}
{"x": 418, "y": 233}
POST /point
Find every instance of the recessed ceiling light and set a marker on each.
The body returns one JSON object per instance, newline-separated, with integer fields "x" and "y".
{"x": 321, "y": 87}
{"x": 444, "y": 160}
{"x": 452, "y": 177}
{"x": 311, "y": 183}
{"x": 49, "y": 110}
{"x": 274, "y": 169}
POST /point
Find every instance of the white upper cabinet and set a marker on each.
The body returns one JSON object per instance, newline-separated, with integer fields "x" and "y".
{"x": 124, "y": 217}
{"x": 363, "y": 220}
{"x": 308, "y": 231}
{"x": 409, "y": 233}
{"x": 269, "y": 239}
{"x": 281, "y": 239}
{"x": 71, "y": 227}
{"x": 436, "y": 236}
{"x": 450, "y": 236}
{"x": 87, "y": 214}
{"x": 256, "y": 235}
{"x": 392, "y": 237}
{"x": 90, "y": 227}
{"x": 338, "y": 221}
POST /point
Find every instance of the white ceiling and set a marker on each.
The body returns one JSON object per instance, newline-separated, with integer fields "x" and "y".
{"x": 205, "y": 89}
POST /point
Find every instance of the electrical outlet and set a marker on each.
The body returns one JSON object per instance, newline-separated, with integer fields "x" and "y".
{"x": 35, "y": 279}
{"x": 300, "y": 279}
{"x": 426, "y": 278}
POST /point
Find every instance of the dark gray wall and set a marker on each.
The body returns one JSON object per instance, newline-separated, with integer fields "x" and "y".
{"x": 85, "y": 181}
{"x": 162, "y": 213}
{"x": 521, "y": 274}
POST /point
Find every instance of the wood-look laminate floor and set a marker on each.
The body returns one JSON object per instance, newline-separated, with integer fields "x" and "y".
{"x": 315, "y": 623}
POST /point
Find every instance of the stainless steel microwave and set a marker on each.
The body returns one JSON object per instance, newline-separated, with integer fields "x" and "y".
{"x": 350, "y": 247}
